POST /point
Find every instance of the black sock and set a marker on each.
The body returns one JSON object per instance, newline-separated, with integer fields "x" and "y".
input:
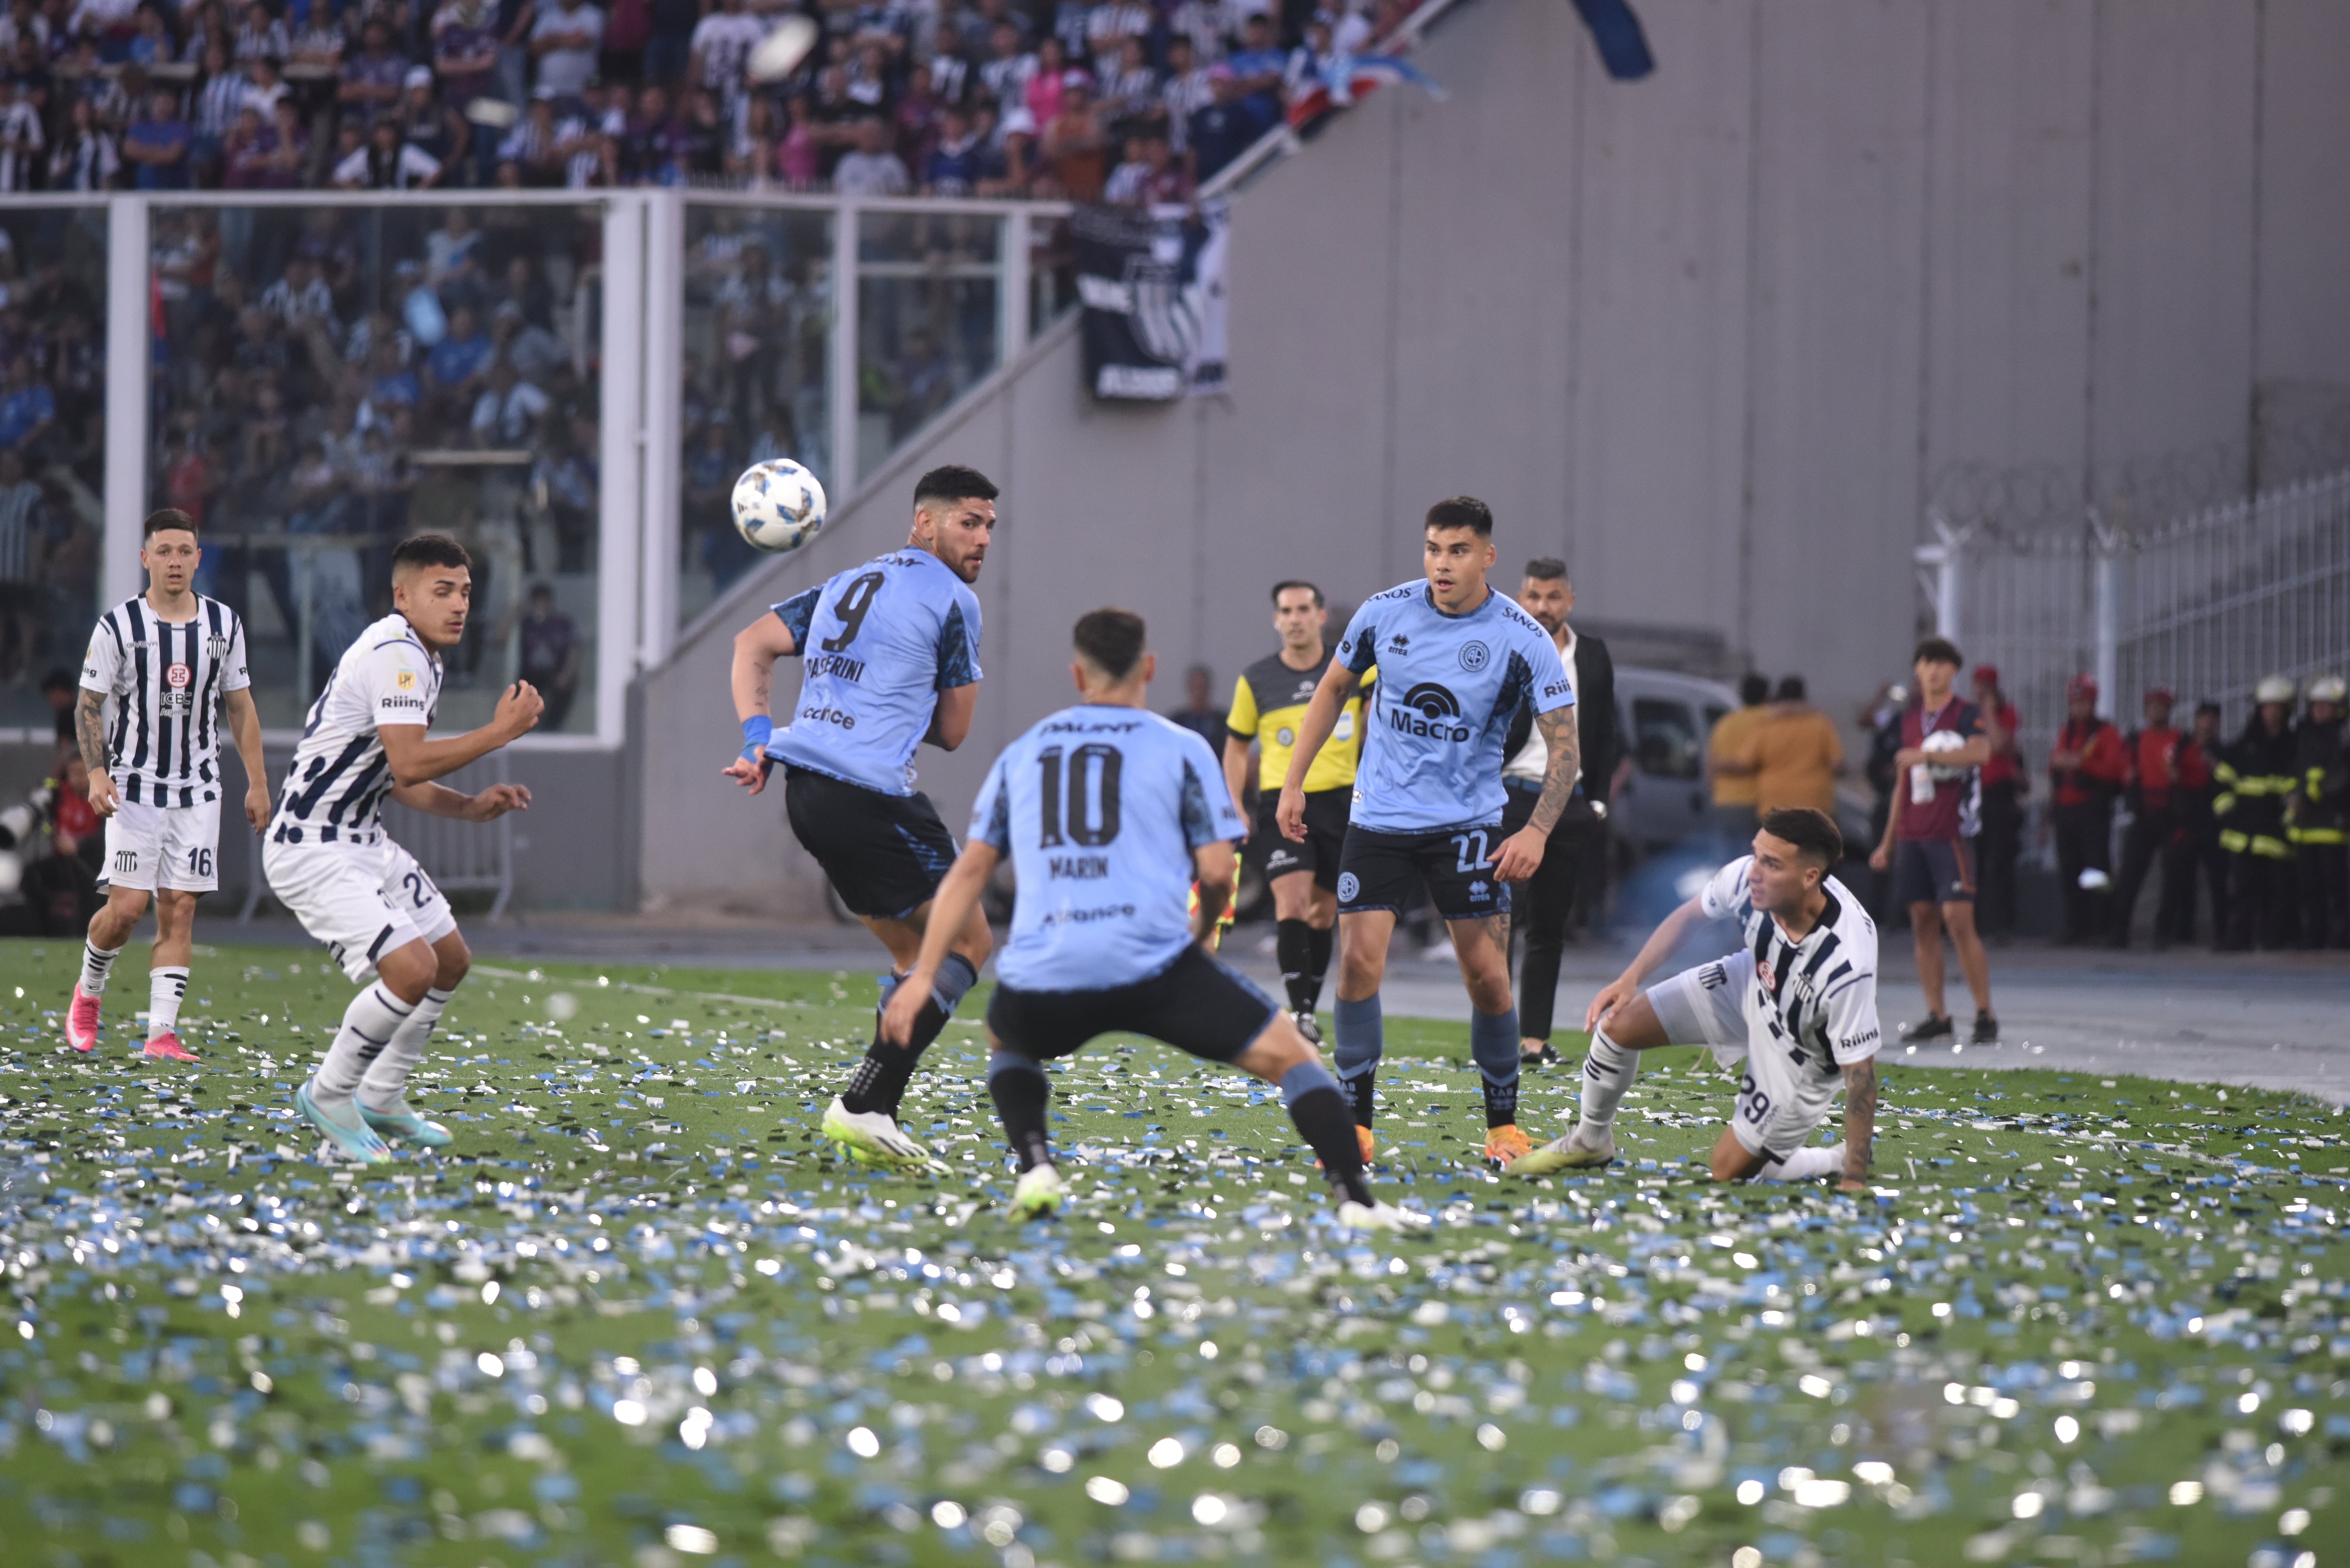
{"x": 879, "y": 1083}
{"x": 1325, "y": 1124}
{"x": 1020, "y": 1091}
{"x": 1362, "y": 1091}
{"x": 1292, "y": 943}
{"x": 1322, "y": 938}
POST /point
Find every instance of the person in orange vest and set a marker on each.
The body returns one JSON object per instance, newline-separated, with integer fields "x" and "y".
{"x": 2086, "y": 767}
{"x": 2163, "y": 768}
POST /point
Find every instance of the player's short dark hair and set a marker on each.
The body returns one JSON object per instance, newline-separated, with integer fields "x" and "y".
{"x": 1791, "y": 690}
{"x": 1754, "y": 689}
{"x": 168, "y": 518}
{"x": 1287, "y": 583}
{"x": 1111, "y": 640}
{"x": 1547, "y": 570}
{"x": 1813, "y": 833}
{"x": 429, "y": 550}
{"x": 1462, "y": 512}
{"x": 1938, "y": 651}
{"x": 954, "y": 483}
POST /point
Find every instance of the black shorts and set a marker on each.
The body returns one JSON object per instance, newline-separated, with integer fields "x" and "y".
{"x": 1933, "y": 871}
{"x": 1325, "y": 833}
{"x": 1194, "y": 1005}
{"x": 886, "y": 853}
{"x": 1380, "y": 870}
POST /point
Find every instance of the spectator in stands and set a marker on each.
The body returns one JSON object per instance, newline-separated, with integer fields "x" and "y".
{"x": 872, "y": 168}
{"x": 1075, "y": 145}
{"x": 1149, "y": 176}
{"x": 159, "y": 144}
{"x": 550, "y": 653}
{"x": 388, "y": 163}
{"x": 1006, "y": 73}
{"x": 372, "y": 78}
{"x": 1222, "y": 131}
{"x": 565, "y": 37}
{"x": 721, "y": 47}
{"x": 464, "y": 49}
{"x": 87, "y": 157}
{"x": 1261, "y": 68}
{"x": 21, "y": 140}
{"x": 23, "y": 538}
{"x": 27, "y": 409}
{"x": 1048, "y": 81}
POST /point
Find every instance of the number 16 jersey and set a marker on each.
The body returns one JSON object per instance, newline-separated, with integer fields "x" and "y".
{"x": 1099, "y": 809}
{"x": 881, "y": 641}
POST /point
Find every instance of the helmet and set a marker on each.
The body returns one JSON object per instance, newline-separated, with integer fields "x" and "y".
{"x": 2273, "y": 688}
{"x": 2325, "y": 689}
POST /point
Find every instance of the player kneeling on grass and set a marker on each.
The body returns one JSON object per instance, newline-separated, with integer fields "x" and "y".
{"x": 1110, "y": 814}
{"x": 1798, "y": 1001}
{"x": 332, "y": 865}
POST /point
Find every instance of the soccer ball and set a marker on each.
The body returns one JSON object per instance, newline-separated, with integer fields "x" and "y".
{"x": 778, "y": 505}
{"x": 1943, "y": 740}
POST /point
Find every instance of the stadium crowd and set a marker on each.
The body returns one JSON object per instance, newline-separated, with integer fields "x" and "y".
{"x": 1127, "y": 101}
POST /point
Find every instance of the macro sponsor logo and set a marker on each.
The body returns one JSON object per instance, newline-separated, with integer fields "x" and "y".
{"x": 830, "y": 716}
{"x": 1429, "y": 712}
{"x": 839, "y": 665}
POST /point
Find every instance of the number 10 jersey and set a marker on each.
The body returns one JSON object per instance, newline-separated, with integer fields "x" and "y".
{"x": 1099, "y": 809}
{"x": 881, "y": 642}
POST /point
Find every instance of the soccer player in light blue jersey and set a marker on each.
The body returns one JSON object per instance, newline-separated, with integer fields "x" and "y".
{"x": 1108, "y": 813}
{"x": 891, "y": 650}
{"x": 1456, "y": 660}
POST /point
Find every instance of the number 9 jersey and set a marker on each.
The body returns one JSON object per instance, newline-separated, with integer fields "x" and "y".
{"x": 881, "y": 642}
{"x": 1100, "y": 808}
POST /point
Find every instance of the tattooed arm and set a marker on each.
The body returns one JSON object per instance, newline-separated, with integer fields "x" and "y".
{"x": 1521, "y": 853}
{"x": 1859, "y": 1121}
{"x": 90, "y": 731}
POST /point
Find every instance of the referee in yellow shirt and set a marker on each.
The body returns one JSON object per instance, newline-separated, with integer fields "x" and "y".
{"x": 1268, "y": 705}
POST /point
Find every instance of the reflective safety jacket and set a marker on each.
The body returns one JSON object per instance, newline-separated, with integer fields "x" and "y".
{"x": 2321, "y": 785}
{"x": 2255, "y": 777}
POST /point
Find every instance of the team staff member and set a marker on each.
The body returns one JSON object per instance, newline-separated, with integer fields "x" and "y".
{"x": 2086, "y": 768}
{"x": 2004, "y": 785}
{"x": 2162, "y": 769}
{"x": 1573, "y": 869}
{"x": 2318, "y": 821}
{"x": 2255, "y": 776}
{"x": 1268, "y": 705}
{"x": 1728, "y": 768}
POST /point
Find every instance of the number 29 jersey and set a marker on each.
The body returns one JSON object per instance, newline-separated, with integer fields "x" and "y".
{"x": 1099, "y": 809}
{"x": 879, "y": 641}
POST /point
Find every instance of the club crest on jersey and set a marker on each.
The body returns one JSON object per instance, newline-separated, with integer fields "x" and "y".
{"x": 1475, "y": 655}
{"x": 216, "y": 648}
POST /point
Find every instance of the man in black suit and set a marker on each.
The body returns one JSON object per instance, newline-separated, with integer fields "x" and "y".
{"x": 1573, "y": 870}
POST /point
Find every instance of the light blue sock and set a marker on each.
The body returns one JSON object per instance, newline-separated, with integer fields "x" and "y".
{"x": 1494, "y": 1046}
{"x": 1361, "y": 1041}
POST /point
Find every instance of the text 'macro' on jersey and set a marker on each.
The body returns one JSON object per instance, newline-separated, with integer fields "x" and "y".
{"x": 1816, "y": 999}
{"x": 167, "y": 679}
{"x": 1100, "y": 808}
{"x": 1449, "y": 686}
{"x": 340, "y": 773}
{"x": 879, "y": 641}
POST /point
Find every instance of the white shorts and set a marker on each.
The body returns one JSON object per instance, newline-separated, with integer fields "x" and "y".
{"x": 1781, "y": 1103}
{"x": 172, "y": 846}
{"x": 361, "y": 900}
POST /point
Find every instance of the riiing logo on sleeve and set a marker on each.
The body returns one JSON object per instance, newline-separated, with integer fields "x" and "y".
{"x": 1429, "y": 712}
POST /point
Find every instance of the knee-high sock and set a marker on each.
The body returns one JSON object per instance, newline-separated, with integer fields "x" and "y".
{"x": 880, "y": 1083}
{"x": 369, "y": 1025}
{"x": 1324, "y": 1121}
{"x": 386, "y": 1078}
{"x": 1292, "y": 944}
{"x": 1020, "y": 1091}
{"x": 1805, "y": 1165}
{"x": 1494, "y": 1046}
{"x": 1607, "y": 1072}
{"x": 1362, "y": 1039}
{"x": 97, "y": 963}
{"x": 165, "y": 989}
{"x": 1321, "y": 938}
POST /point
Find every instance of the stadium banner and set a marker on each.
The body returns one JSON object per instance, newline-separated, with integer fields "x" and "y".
{"x": 1151, "y": 284}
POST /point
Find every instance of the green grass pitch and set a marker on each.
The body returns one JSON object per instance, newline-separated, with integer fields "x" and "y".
{"x": 639, "y": 1317}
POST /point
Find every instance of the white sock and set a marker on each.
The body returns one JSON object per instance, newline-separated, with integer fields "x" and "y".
{"x": 1805, "y": 1164}
{"x": 165, "y": 988}
{"x": 373, "y": 1017}
{"x": 380, "y": 1089}
{"x": 97, "y": 963}
{"x": 1607, "y": 1073}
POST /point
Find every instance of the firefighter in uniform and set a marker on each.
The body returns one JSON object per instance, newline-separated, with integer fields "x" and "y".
{"x": 2255, "y": 776}
{"x": 2206, "y": 861}
{"x": 2317, "y": 820}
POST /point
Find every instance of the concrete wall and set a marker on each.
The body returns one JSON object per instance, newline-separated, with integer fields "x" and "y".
{"x": 1713, "y": 337}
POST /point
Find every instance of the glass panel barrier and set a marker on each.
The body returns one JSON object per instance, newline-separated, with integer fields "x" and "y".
{"x": 330, "y": 381}
{"x": 52, "y": 453}
{"x": 928, "y": 325}
{"x": 758, "y": 324}
{"x": 1052, "y": 271}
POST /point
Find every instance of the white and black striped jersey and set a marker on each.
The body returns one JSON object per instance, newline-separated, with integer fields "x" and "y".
{"x": 167, "y": 679}
{"x": 1814, "y": 1000}
{"x": 336, "y": 787}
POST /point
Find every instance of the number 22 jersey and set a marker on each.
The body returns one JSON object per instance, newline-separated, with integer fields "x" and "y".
{"x": 1100, "y": 808}
{"x": 881, "y": 641}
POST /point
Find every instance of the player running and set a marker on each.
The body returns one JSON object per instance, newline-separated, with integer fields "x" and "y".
{"x": 1798, "y": 1001}
{"x": 174, "y": 663}
{"x": 892, "y": 661}
{"x": 1455, "y": 661}
{"x": 333, "y": 865}
{"x": 1269, "y": 703}
{"x": 1108, "y": 813}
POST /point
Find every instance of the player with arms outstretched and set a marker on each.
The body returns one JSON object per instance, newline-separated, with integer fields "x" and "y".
{"x": 333, "y": 865}
{"x": 174, "y": 661}
{"x": 891, "y": 651}
{"x": 1456, "y": 660}
{"x": 1108, "y": 814}
{"x": 1797, "y": 1000}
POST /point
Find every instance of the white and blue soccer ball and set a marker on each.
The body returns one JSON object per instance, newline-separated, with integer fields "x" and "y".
{"x": 1943, "y": 740}
{"x": 778, "y": 505}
